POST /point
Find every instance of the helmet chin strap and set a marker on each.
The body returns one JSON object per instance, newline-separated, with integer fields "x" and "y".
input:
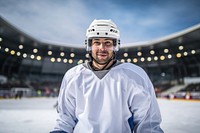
{"x": 106, "y": 63}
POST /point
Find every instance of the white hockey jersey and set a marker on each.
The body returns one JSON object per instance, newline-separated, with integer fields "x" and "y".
{"x": 122, "y": 101}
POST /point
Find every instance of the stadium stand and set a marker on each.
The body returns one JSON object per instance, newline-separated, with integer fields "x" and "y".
{"x": 194, "y": 87}
{"x": 191, "y": 91}
{"x": 40, "y": 65}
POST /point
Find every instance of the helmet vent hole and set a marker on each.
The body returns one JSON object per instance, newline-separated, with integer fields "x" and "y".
{"x": 106, "y": 33}
{"x": 97, "y": 33}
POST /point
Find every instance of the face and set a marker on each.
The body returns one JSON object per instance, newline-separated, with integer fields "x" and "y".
{"x": 102, "y": 49}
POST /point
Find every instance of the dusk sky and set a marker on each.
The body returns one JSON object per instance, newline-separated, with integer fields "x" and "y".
{"x": 65, "y": 21}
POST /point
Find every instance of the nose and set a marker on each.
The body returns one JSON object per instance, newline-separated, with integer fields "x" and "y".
{"x": 102, "y": 46}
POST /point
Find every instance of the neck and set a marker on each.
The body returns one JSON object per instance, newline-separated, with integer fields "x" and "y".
{"x": 97, "y": 66}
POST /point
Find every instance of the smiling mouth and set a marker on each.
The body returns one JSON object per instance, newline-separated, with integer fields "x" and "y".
{"x": 102, "y": 54}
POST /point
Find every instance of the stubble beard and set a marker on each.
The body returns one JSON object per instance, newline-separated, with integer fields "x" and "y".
{"x": 102, "y": 60}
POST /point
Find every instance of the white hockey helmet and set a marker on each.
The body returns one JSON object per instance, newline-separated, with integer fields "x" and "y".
{"x": 102, "y": 28}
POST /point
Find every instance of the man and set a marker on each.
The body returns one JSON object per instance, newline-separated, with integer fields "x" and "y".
{"x": 104, "y": 95}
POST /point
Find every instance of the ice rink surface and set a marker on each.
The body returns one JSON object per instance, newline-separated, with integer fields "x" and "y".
{"x": 38, "y": 115}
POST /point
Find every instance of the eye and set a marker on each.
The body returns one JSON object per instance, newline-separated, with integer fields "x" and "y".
{"x": 96, "y": 43}
{"x": 108, "y": 43}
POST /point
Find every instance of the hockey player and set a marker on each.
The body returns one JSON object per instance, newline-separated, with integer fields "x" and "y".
{"x": 104, "y": 95}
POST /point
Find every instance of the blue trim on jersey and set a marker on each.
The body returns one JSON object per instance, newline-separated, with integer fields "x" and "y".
{"x": 130, "y": 122}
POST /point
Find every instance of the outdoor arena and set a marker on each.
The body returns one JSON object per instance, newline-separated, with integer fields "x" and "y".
{"x": 31, "y": 72}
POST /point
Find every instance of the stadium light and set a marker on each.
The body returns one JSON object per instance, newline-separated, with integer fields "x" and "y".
{"x": 53, "y": 59}
{"x": 163, "y": 74}
{"x": 18, "y": 53}
{"x": 49, "y": 52}
{"x": 38, "y": 57}
{"x": 125, "y": 54}
{"x": 142, "y": 59}
{"x": 65, "y": 60}
{"x": 193, "y": 51}
{"x": 152, "y": 52}
{"x": 155, "y": 58}
{"x": 58, "y": 59}
{"x": 166, "y": 50}
{"x": 169, "y": 56}
{"x": 135, "y": 60}
{"x": 162, "y": 57}
{"x": 129, "y": 60}
{"x": 122, "y": 60}
{"x": 149, "y": 59}
{"x": 32, "y": 56}
{"x": 178, "y": 55}
{"x": 80, "y": 61}
{"x": 35, "y": 50}
{"x": 21, "y": 46}
{"x": 6, "y": 49}
{"x": 87, "y": 55}
{"x": 139, "y": 53}
{"x": 185, "y": 53}
{"x": 24, "y": 55}
{"x": 62, "y": 54}
{"x": 70, "y": 61}
{"x": 12, "y": 52}
{"x": 1, "y": 39}
{"x": 72, "y": 55}
{"x": 180, "y": 47}
{"x": 0, "y": 47}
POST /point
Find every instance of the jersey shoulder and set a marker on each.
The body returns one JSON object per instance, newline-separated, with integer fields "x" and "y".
{"x": 74, "y": 71}
{"x": 132, "y": 68}
{"x": 133, "y": 72}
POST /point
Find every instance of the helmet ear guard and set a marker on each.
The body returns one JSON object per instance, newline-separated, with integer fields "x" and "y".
{"x": 88, "y": 44}
{"x": 103, "y": 29}
{"x": 116, "y": 44}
